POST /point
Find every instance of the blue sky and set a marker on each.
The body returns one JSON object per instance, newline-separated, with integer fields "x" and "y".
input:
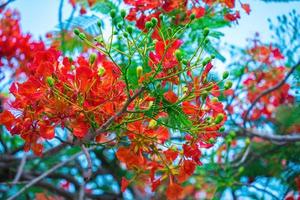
{"x": 40, "y": 16}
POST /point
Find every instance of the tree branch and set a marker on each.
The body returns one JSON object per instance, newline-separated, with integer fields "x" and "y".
{"x": 45, "y": 174}
{"x": 6, "y": 3}
{"x": 87, "y": 175}
{"x": 92, "y": 134}
{"x": 20, "y": 169}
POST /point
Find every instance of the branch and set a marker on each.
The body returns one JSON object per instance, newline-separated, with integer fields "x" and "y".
{"x": 272, "y": 137}
{"x": 20, "y": 169}
{"x": 264, "y": 93}
{"x": 87, "y": 175}
{"x": 6, "y": 3}
{"x": 45, "y": 174}
{"x": 104, "y": 126}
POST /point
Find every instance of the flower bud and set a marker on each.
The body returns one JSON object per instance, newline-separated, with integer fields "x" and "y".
{"x": 99, "y": 23}
{"x": 161, "y": 16}
{"x": 125, "y": 35}
{"x": 193, "y": 16}
{"x": 139, "y": 71}
{"x": 227, "y": 85}
{"x": 148, "y": 25}
{"x": 214, "y": 99}
{"x": 225, "y": 75}
{"x": 222, "y": 129}
{"x": 206, "y": 41}
{"x": 76, "y": 31}
{"x": 50, "y": 81}
{"x": 247, "y": 141}
{"x": 92, "y": 58}
{"x": 101, "y": 70}
{"x": 154, "y": 21}
{"x": 113, "y": 13}
{"x": 119, "y": 25}
{"x": 123, "y": 13}
{"x": 152, "y": 123}
{"x": 206, "y": 61}
{"x": 219, "y": 118}
{"x": 82, "y": 36}
{"x": 212, "y": 140}
{"x": 232, "y": 134}
{"x": 184, "y": 61}
{"x": 178, "y": 55}
{"x": 241, "y": 169}
{"x": 204, "y": 95}
{"x": 129, "y": 29}
{"x": 208, "y": 120}
{"x": 205, "y": 32}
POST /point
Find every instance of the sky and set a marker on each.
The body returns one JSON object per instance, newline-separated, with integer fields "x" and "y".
{"x": 41, "y": 16}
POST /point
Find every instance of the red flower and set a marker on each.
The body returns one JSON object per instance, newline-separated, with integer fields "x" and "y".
{"x": 174, "y": 191}
{"x": 7, "y": 119}
{"x": 246, "y": 7}
{"x": 232, "y": 17}
{"x": 170, "y": 96}
{"x": 124, "y": 184}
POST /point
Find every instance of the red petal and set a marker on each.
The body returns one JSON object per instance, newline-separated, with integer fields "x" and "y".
{"x": 124, "y": 184}
{"x": 246, "y": 7}
{"x": 171, "y": 96}
{"x": 7, "y": 119}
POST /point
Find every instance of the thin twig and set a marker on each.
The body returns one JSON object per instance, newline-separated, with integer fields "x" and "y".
{"x": 92, "y": 134}
{"x": 44, "y": 175}
{"x": 243, "y": 159}
{"x": 87, "y": 175}
{"x": 6, "y": 3}
{"x": 274, "y": 138}
{"x": 20, "y": 169}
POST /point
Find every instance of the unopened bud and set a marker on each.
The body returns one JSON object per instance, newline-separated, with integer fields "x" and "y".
{"x": 152, "y": 123}
{"x": 214, "y": 99}
{"x": 82, "y": 36}
{"x": 185, "y": 61}
{"x": 232, "y": 134}
{"x": 193, "y": 16}
{"x": 76, "y": 31}
{"x": 50, "y": 81}
{"x": 101, "y": 70}
{"x": 92, "y": 58}
{"x": 219, "y": 118}
{"x": 212, "y": 140}
{"x": 227, "y": 85}
{"x": 205, "y": 32}
{"x": 113, "y": 13}
{"x": 125, "y": 35}
{"x": 241, "y": 170}
{"x": 247, "y": 141}
{"x": 148, "y": 25}
{"x": 178, "y": 55}
{"x": 154, "y": 21}
{"x": 129, "y": 29}
{"x": 225, "y": 75}
{"x": 99, "y": 23}
{"x": 222, "y": 129}
{"x": 206, "y": 61}
{"x": 204, "y": 95}
{"x": 123, "y": 13}
{"x": 139, "y": 71}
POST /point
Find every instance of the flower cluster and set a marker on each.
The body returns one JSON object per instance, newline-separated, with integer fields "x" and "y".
{"x": 264, "y": 72}
{"x": 16, "y": 49}
{"x": 75, "y": 95}
{"x": 173, "y": 93}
